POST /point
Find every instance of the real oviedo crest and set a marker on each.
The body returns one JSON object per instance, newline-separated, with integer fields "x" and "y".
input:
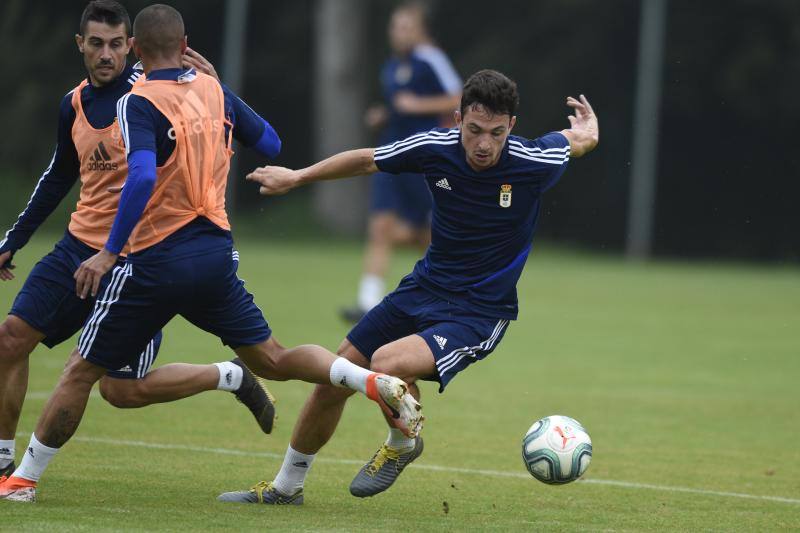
{"x": 505, "y": 196}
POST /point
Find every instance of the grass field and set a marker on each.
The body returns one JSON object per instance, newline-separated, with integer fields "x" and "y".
{"x": 686, "y": 377}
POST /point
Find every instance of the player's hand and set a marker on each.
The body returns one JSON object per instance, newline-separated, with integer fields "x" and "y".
{"x": 192, "y": 59}
{"x": 584, "y": 117}
{"x": 274, "y": 181}
{"x": 584, "y": 133}
{"x": 376, "y": 116}
{"x": 91, "y": 272}
{"x": 406, "y": 102}
{"x": 6, "y": 267}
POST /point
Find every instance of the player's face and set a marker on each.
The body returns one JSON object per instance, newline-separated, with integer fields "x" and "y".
{"x": 483, "y": 135}
{"x": 104, "y": 50}
{"x": 405, "y": 31}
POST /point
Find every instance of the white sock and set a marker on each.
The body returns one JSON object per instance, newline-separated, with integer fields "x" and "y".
{"x": 230, "y": 376}
{"x": 398, "y": 441}
{"x": 348, "y": 375}
{"x": 370, "y": 291}
{"x": 6, "y": 452}
{"x": 35, "y": 460}
{"x": 293, "y": 472}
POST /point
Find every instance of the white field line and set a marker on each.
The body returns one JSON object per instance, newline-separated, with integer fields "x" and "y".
{"x": 43, "y": 395}
{"x": 436, "y": 468}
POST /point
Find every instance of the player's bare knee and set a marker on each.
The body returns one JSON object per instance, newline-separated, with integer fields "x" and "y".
{"x": 16, "y": 340}
{"x": 266, "y": 361}
{"x": 351, "y": 353}
{"x": 383, "y": 361}
{"x": 80, "y": 373}
{"x": 123, "y": 393}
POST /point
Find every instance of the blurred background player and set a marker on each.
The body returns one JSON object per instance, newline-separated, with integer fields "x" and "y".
{"x": 421, "y": 90}
{"x": 47, "y": 309}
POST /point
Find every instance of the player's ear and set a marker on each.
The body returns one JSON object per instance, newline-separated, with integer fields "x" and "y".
{"x": 79, "y": 42}
{"x": 512, "y": 123}
{"x": 457, "y": 117}
{"x": 135, "y": 48}
{"x": 184, "y": 44}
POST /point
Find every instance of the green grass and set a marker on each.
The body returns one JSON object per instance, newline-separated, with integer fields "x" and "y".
{"x": 685, "y": 376}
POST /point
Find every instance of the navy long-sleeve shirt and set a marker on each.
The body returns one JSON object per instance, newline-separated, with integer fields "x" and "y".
{"x": 100, "y": 106}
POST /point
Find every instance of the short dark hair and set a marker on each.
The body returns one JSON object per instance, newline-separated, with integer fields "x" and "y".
{"x": 159, "y": 30}
{"x": 109, "y": 12}
{"x": 493, "y": 91}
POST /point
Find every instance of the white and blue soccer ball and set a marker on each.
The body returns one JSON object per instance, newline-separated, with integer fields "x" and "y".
{"x": 557, "y": 450}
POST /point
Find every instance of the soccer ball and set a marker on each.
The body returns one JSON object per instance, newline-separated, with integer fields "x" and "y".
{"x": 557, "y": 450}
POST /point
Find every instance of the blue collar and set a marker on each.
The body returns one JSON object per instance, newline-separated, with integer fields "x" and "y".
{"x": 169, "y": 73}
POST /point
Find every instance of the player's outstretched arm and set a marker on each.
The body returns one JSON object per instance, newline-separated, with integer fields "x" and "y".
{"x": 584, "y": 134}
{"x": 279, "y": 180}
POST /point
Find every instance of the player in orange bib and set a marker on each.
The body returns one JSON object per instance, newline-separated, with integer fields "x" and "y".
{"x": 47, "y": 310}
{"x": 181, "y": 261}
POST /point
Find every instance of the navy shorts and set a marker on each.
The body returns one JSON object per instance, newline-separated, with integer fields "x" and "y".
{"x": 139, "y": 298}
{"x": 48, "y": 303}
{"x": 456, "y": 336}
{"x": 406, "y": 195}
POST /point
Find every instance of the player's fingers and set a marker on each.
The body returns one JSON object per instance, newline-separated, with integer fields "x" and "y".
{"x": 84, "y": 289}
{"x": 96, "y": 283}
{"x": 79, "y": 284}
{"x": 114, "y": 190}
{"x": 194, "y": 54}
{"x": 189, "y": 63}
{"x": 572, "y": 120}
{"x": 259, "y": 175}
{"x": 586, "y": 104}
{"x": 5, "y": 275}
{"x": 580, "y": 109}
{"x": 574, "y": 104}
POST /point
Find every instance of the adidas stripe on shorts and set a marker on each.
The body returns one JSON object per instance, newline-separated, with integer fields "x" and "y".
{"x": 457, "y": 336}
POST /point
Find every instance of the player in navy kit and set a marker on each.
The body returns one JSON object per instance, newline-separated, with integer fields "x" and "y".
{"x": 90, "y": 151}
{"x": 420, "y": 88}
{"x": 171, "y": 215}
{"x": 455, "y": 307}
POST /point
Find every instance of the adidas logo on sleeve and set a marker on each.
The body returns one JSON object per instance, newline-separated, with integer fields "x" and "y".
{"x": 444, "y": 184}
